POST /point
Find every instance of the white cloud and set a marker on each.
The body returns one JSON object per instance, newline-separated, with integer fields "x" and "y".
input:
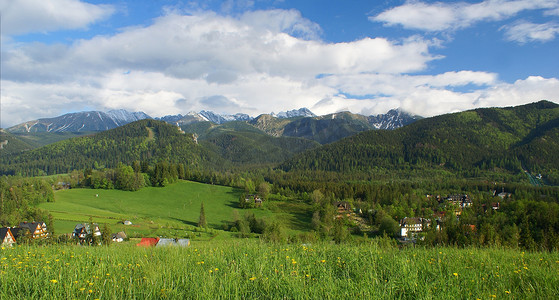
{"x": 258, "y": 62}
{"x": 27, "y": 16}
{"x": 524, "y": 32}
{"x": 442, "y": 16}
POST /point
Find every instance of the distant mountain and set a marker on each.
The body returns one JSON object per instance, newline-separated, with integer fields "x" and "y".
{"x": 219, "y": 147}
{"x": 302, "y": 112}
{"x": 294, "y": 123}
{"x": 394, "y": 118}
{"x": 145, "y": 140}
{"x": 482, "y": 140}
{"x": 330, "y": 128}
{"x": 80, "y": 122}
{"x": 220, "y": 119}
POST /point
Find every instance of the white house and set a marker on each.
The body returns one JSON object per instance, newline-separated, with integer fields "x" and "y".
{"x": 411, "y": 226}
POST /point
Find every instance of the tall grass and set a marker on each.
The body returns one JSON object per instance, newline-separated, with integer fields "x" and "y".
{"x": 248, "y": 269}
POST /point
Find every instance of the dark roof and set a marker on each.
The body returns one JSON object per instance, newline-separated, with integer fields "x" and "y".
{"x": 3, "y": 232}
{"x": 117, "y": 235}
{"x": 31, "y": 225}
{"x": 19, "y": 232}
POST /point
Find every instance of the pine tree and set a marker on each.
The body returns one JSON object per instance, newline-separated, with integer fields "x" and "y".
{"x": 202, "y": 221}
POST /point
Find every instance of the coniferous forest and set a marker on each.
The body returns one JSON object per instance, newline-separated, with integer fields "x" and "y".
{"x": 503, "y": 159}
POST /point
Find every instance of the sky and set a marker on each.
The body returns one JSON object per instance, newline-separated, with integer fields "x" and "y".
{"x": 261, "y": 56}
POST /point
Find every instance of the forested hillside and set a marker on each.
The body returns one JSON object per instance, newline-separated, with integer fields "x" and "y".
{"x": 467, "y": 143}
{"x": 147, "y": 140}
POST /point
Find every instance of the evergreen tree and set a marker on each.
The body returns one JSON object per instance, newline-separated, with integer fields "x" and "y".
{"x": 202, "y": 221}
{"x": 106, "y": 235}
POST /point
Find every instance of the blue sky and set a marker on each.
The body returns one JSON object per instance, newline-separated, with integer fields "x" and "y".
{"x": 260, "y": 56}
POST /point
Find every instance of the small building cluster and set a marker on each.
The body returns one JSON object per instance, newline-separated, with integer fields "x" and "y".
{"x": 29, "y": 230}
{"x": 410, "y": 227}
{"x": 163, "y": 242}
{"x": 253, "y": 198}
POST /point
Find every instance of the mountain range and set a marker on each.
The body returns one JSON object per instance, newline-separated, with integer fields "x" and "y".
{"x": 467, "y": 144}
{"x": 295, "y": 123}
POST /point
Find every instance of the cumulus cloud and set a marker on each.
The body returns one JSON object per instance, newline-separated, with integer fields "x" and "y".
{"x": 28, "y": 16}
{"x": 524, "y": 32}
{"x": 256, "y": 62}
{"x": 442, "y": 16}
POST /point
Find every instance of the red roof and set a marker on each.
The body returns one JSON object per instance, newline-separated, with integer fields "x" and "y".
{"x": 148, "y": 242}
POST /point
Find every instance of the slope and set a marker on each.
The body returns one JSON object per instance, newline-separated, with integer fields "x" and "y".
{"x": 484, "y": 139}
{"x": 145, "y": 140}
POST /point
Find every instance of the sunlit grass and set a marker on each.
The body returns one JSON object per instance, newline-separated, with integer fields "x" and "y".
{"x": 251, "y": 269}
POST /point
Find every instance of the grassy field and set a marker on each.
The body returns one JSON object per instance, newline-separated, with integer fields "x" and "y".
{"x": 169, "y": 211}
{"x": 250, "y": 269}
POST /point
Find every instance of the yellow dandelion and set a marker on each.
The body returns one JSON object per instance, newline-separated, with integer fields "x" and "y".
{"x": 90, "y": 291}
{"x": 507, "y": 292}
{"x": 252, "y": 278}
{"x": 455, "y": 274}
{"x": 82, "y": 289}
{"x": 53, "y": 280}
{"x": 216, "y": 269}
{"x": 323, "y": 261}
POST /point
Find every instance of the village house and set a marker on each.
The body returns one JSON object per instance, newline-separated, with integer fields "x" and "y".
{"x": 6, "y": 237}
{"x": 410, "y": 227}
{"x": 253, "y": 198}
{"x": 461, "y": 201}
{"x": 37, "y": 230}
{"x": 83, "y": 230}
{"x": 118, "y": 237}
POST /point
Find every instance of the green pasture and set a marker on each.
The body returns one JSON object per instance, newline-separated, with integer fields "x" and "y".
{"x": 250, "y": 269}
{"x": 169, "y": 211}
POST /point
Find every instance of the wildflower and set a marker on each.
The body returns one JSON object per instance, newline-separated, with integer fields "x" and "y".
{"x": 323, "y": 261}
{"x": 252, "y": 278}
{"x": 82, "y": 289}
{"x": 53, "y": 280}
{"x": 90, "y": 291}
{"x": 507, "y": 292}
{"x": 455, "y": 274}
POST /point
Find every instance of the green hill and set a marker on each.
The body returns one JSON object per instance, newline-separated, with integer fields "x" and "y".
{"x": 10, "y": 143}
{"x": 176, "y": 210}
{"x": 145, "y": 140}
{"x": 490, "y": 139}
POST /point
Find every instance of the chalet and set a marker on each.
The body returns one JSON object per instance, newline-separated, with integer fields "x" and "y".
{"x": 412, "y": 226}
{"x": 83, "y": 230}
{"x": 148, "y": 242}
{"x": 118, "y": 237}
{"x": 37, "y": 230}
{"x": 6, "y": 237}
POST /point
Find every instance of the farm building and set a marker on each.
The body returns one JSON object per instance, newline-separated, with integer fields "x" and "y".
{"x": 6, "y": 237}
{"x": 173, "y": 242}
{"x": 148, "y": 242}
{"x": 118, "y": 237}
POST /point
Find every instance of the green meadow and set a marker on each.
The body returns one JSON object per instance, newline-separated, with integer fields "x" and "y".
{"x": 170, "y": 211}
{"x": 251, "y": 269}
